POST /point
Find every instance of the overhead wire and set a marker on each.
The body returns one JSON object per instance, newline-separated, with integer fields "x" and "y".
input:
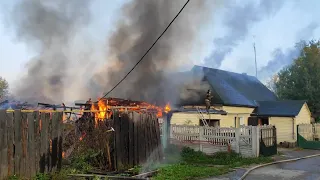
{"x": 146, "y": 51}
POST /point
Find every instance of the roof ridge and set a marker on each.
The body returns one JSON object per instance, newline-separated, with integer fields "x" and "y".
{"x": 284, "y": 100}
{"x": 243, "y": 74}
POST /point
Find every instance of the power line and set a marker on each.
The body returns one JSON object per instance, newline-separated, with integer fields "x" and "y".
{"x": 147, "y": 50}
{"x": 255, "y": 56}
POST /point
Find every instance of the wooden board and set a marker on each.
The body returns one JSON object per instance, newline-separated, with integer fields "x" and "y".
{"x": 3, "y": 145}
{"x": 31, "y": 145}
{"x": 37, "y": 137}
{"x": 10, "y": 127}
{"x": 17, "y": 142}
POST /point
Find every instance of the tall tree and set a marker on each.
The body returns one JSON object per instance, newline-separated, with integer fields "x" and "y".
{"x": 4, "y": 87}
{"x": 301, "y": 80}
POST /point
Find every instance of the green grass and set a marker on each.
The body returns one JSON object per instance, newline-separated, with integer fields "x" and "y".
{"x": 188, "y": 171}
{"x": 195, "y": 164}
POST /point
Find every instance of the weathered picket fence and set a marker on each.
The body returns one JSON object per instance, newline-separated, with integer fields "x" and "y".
{"x": 244, "y": 140}
{"x": 311, "y": 132}
{"x": 30, "y": 142}
{"x": 308, "y": 136}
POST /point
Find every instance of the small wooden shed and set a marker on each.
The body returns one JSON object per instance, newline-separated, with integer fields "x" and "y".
{"x": 285, "y": 115}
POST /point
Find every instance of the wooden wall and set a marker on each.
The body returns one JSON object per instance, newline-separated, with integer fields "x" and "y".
{"x": 137, "y": 139}
{"x": 30, "y": 142}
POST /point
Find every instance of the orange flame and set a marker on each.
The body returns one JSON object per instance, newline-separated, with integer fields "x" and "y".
{"x": 63, "y": 154}
{"x": 167, "y": 108}
{"x": 102, "y": 109}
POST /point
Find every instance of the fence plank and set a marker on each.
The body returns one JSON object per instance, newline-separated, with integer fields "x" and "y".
{"x": 117, "y": 123}
{"x": 43, "y": 141}
{"x": 124, "y": 135}
{"x": 135, "y": 132}
{"x": 158, "y": 139}
{"x": 131, "y": 139}
{"x": 37, "y": 128}
{"x": 48, "y": 157}
{"x": 31, "y": 145}
{"x": 60, "y": 140}
{"x": 10, "y": 137}
{"x": 17, "y": 141}
{"x": 3, "y": 145}
{"x": 24, "y": 162}
{"x": 143, "y": 138}
{"x": 54, "y": 140}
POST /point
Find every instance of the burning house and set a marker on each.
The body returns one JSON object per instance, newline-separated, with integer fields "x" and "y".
{"x": 237, "y": 99}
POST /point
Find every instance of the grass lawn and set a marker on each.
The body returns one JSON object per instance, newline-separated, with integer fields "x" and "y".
{"x": 195, "y": 165}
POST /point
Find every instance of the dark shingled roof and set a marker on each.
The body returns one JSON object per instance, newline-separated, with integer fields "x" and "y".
{"x": 284, "y": 108}
{"x": 204, "y": 111}
{"x": 233, "y": 88}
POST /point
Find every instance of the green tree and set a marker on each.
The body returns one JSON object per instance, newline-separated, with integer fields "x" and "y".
{"x": 4, "y": 87}
{"x": 301, "y": 80}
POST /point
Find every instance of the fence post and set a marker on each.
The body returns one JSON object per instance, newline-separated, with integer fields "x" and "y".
{"x": 255, "y": 141}
{"x": 201, "y": 132}
{"x": 298, "y": 135}
{"x": 237, "y": 134}
{"x": 258, "y": 139}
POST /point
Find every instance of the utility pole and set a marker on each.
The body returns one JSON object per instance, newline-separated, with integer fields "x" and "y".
{"x": 255, "y": 58}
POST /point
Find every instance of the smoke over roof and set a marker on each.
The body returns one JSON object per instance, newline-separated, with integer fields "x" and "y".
{"x": 142, "y": 22}
{"x": 49, "y": 29}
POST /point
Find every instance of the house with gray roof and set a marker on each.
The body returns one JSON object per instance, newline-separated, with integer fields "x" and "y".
{"x": 243, "y": 99}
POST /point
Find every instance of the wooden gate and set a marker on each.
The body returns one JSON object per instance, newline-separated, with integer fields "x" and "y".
{"x": 268, "y": 140}
{"x": 308, "y": 136}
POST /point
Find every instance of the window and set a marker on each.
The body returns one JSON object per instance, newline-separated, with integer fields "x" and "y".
{"x": 241, "y": 119}
{"x": 238, "y": 121}
{"x": 211, "y": 122}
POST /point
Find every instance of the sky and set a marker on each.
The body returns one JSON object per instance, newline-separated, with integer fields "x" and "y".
{"x": 233, "y": 30}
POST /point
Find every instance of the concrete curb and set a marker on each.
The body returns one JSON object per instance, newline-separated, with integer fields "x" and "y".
{"x": 276, "y": 162}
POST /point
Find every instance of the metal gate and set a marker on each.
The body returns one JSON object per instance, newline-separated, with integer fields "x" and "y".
{"x": 268, "y": 141}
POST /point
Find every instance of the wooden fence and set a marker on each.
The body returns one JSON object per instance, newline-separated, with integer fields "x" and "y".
{"x": 244, "y": 140}
{"x": 30, "y": 143}
{"x": 311, "y": 132}
{"x": 268, "y": 135}
{"x": 308, "y": 136}
{"x": 137, "y": 139}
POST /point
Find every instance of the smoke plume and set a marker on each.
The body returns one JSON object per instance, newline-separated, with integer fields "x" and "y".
{"x": 239, "y": 18}
{"x": 48, "y": 28}
{"x": 141, "y": 23}
{"x": 282, "y": 58}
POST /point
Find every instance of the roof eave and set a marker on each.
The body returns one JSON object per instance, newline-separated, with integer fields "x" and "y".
{"x": 240, "y": 105}
{"x": 273, "y": 115}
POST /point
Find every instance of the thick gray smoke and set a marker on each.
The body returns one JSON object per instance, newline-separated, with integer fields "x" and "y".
{"x": 48, "y": 27}
{"x": 239, "y": 18}
{"x": 282, "y": 58}
{"x": 142, "y": 22}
